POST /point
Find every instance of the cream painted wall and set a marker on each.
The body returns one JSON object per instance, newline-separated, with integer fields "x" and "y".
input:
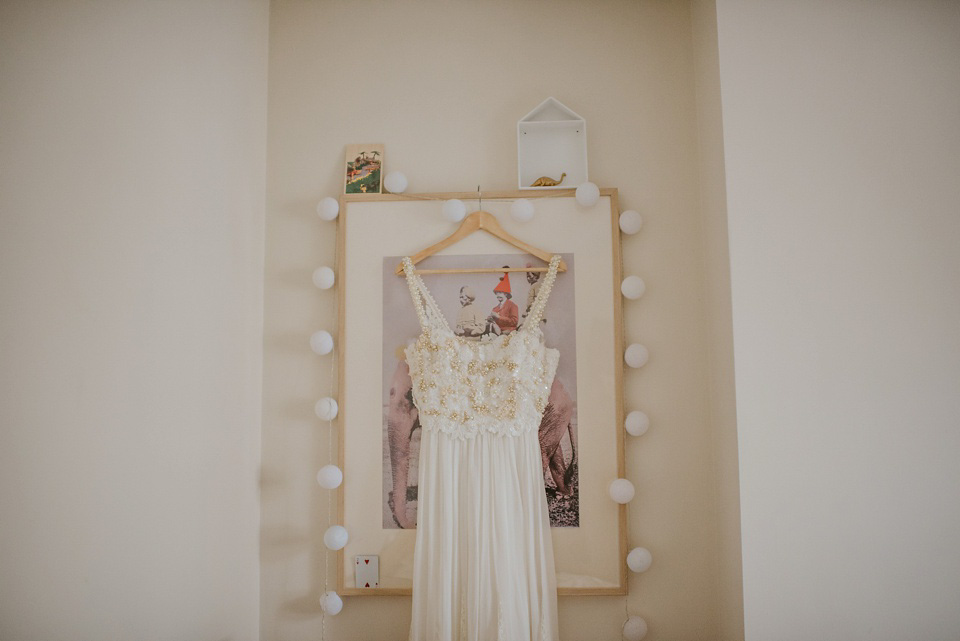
{"x": 442, "y": 84}
{"x": 842, "y": 138}
{"x": 132, "y": 146}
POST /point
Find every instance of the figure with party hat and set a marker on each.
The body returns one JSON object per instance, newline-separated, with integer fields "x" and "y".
{"x": 506, "y": 315}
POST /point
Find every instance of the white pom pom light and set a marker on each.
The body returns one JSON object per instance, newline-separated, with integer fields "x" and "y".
{"x": 588, "y": 194}
{"x": 636, "y": 355}
{"x": 395, "y": 182}
{"x": 637, "y": 423}
{"x": 621, "y": 491}
{"x": 634, "y": 629}
{"x": 328, "y": 208}
{"x": 454, "y": 210}
{"x": 335, "y": 537}
{"x": 522, "y": 210}
{"x": 630, "y": 222}
{"x": 331, "y": 603}
{"x": 329, "y": 477}
{"x": 323, "y": 277}
{"x": 633, "y": 287}
{"x": 639, "y": 559}
{"x": 326, "y": 408}
{"x": 321, "y": 342}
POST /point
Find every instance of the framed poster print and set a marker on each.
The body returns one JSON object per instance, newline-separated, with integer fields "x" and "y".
{"x": 469, "y": 300}
{"x": 581, "y": 435}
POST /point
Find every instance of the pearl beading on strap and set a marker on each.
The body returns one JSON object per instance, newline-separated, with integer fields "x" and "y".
{"x": 536, "y": 312}
{"x": 428, "y": 311}
{"x": 414, "y": 290}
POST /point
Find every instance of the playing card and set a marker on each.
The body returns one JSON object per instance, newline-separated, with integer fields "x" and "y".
{"x": 367, "y": 571}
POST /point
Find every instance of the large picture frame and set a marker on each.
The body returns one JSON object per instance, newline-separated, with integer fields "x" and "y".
{"x": 584, "y": 320}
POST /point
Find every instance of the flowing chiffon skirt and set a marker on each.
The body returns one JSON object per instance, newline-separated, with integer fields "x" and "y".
{"x": 484, "y": 567}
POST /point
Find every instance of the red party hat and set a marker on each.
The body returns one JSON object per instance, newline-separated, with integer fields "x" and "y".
{"x": 504, "y": 284}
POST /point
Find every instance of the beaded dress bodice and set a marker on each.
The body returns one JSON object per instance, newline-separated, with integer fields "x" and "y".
{"x": 464, "y": 387}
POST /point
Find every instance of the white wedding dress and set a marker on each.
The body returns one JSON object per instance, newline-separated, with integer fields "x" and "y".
{"x": 483, "y": 565}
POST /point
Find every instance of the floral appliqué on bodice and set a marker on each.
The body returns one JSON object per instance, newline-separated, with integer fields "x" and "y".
{"x": 464, "y": 387}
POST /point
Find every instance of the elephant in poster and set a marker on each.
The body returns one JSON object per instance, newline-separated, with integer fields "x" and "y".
{"x": 403, "y": 420}
{"x": 556, "y": 421}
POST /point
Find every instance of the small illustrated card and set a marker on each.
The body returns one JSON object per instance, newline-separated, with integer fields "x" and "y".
{"x": 363, "y": 174}
{"x": 368, "y": 572}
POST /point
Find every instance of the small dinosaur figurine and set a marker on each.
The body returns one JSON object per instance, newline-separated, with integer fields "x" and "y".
{"x": 547, "y": 181}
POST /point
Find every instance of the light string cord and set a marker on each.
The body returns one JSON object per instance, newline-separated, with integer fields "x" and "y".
{"x": 626, "y": 597}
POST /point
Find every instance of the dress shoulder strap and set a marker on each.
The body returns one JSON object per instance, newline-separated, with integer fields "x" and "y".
{"x": 536, "y": 310}
{"x": 427, "y": 309}
{"x": 415, "y": 292}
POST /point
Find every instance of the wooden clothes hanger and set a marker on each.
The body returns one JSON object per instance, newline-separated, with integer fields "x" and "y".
{"x": 487, "y": 222}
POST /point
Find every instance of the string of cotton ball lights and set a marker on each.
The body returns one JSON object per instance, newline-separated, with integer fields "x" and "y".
{"x": 326, "y": 408}
{"x": 323, "y": 277}
{"x": 331, "y": 603}
{"x": 321, "y": 342}
{"x": 639, "y": 559}
{"x": 633, "y": 287}
{"x": 395, "y": 182}
{"x": 330, "y": 476}
{"x": 454, "y": 210}
{"x": 634, "y": 629}
{"x": 630, "y": 222}
{"x": 328, "y": 208}
{"x": 621, "y": 491}
{"x": 636, "y": 355}
{"x": 636, "y": 423}
{"x": 336, "y": 537}
{"x": 588, "y": 194}
{"x": 522, "y": 209}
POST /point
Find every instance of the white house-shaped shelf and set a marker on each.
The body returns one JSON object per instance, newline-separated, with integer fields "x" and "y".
{"x": 551, "y": 141}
